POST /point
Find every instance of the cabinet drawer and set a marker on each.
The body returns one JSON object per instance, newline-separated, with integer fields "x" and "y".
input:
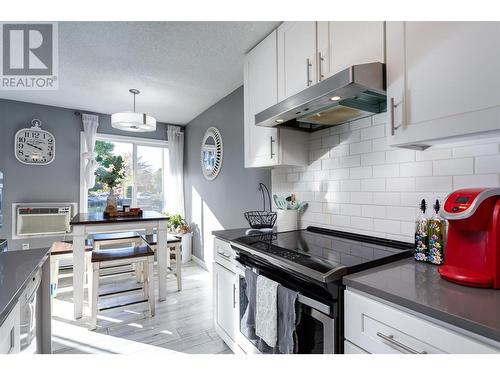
{"x": 379, "y": 328}
{"x": 224, "y": 254}
{"x": 10, "y": 331}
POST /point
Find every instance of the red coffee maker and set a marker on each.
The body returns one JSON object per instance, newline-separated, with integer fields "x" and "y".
{"x": 472, "y": 255}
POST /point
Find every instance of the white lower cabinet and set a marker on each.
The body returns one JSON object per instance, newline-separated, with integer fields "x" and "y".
{"x": 10, "y": 332}
{"x": 379, "y": 328}
{"x": 225, "y": 300}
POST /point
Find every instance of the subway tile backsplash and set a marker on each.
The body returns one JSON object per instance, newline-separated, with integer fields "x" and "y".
{"x": 355, "y": 182}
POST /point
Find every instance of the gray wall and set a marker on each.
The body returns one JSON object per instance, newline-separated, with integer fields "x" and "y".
{"x": 220, "y": 203}
{"x": 56, "y": 182}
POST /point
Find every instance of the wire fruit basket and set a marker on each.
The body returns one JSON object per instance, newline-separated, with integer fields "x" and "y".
{"x": 262, "y": 219}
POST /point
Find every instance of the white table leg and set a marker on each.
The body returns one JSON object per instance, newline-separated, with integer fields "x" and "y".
{"x": 78, "y": 269}
{"x": 151, "y": 282}
{"x": 178, "y": 266}
{"x": 162, "y": 253}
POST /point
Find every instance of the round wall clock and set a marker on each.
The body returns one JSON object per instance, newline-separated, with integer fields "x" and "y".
{"x": 35, "y": 146}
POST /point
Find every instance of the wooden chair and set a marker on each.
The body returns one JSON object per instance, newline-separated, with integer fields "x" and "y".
{"x": 118, "y": 238}
{"x": 142, "y": 254}
{"x": 173, "y": 243}
{"x": 61, "y": 250}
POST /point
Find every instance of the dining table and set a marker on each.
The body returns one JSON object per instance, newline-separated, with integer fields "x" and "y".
{"x": 86, "y": 224}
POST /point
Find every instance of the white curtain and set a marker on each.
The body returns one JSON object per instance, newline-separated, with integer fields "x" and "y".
{"x": 175, "y": 174}
{"x": 90, "y": 124}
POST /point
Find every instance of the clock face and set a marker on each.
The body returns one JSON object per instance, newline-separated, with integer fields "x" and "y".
{"x": 34, "y": 146}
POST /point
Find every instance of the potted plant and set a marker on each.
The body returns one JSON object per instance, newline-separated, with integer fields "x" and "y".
{"x": 111, "y": 173}
{"x": 177, "y": 224}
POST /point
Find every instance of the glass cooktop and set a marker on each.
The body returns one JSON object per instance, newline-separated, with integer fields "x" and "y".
{"x": 322, "y": 254}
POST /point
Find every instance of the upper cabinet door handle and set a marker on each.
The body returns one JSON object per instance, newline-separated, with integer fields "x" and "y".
{"x": 392, "y": 106}
{"x": 308, "y": 67}
{"x": 320, "y": 67}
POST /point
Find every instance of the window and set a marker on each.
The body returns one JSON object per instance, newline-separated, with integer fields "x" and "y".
{"x": 145, "y": 162}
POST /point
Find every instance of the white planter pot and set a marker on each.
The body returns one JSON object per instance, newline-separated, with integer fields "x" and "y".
{"x": 286, "y": 220}
{"x": 187, "y": 244}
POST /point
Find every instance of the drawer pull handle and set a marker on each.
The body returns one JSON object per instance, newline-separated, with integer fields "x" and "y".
{"x": 234, "y": 296}
{"x": 390, "y": 339}
{"x": 224, "y": 255}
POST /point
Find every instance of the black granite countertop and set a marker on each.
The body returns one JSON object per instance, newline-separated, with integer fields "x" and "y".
{"x": 418, "y": 286}
{"x": 16, "y": 269}
{"x": 98, "y": 218}
{"x": 230, "y": 234}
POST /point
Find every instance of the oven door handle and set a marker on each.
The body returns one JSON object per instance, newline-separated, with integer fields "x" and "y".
{"x": 319, "y": 306}
{"x": 284, "y": 264}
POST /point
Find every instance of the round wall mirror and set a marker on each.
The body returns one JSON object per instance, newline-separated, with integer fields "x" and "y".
{"x": 211, "y": 153}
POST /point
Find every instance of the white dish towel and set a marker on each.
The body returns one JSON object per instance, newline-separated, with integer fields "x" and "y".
{"x": 266, "y": 310}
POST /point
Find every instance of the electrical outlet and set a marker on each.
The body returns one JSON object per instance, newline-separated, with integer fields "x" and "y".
{"x": 25, "y": 246}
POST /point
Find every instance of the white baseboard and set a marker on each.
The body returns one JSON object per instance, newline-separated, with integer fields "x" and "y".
{"x": 199, "y": 262}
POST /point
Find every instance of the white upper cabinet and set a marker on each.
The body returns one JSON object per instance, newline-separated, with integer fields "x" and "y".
{"x": 444, "y": 80}
{"x": 296, "y": 57}
{"x": 343, "y": 44}
{"x": 267, "y": 147}
{"x": 261, "y": 92}
{"x": 309, "y": 52}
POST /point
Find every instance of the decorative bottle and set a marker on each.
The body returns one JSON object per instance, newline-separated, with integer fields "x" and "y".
{"x": 436, "y": 237}
{"x": 421, "y": 228}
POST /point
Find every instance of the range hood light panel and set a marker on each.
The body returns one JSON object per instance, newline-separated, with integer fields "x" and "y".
{"x": 335, "y": 98}
{"x": 279, "y": 121}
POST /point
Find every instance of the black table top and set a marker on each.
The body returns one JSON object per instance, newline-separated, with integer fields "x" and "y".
{"x": 16, "y": 268}
{"x": 418, "y": 287}
{"x": 98, "y": 218}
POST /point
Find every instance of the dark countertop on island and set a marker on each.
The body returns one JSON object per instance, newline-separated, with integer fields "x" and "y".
{"x": 98, "y": 218}
{"x": 16, "y": 269}
{"x": 418, "y": 286}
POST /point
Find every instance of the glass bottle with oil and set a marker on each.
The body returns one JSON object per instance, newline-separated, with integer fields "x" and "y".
{"x": 436, "y": 236}
{"x": 421, "y": 229}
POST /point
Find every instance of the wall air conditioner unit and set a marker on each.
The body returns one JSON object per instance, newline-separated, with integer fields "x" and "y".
{"x": 42, "y": 219}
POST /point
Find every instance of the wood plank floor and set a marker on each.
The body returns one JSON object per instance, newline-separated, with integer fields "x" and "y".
{"x": 182, "y": 324}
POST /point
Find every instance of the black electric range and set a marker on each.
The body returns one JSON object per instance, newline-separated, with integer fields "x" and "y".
{"x": 321, "y": 254}
{"x": 313, "y": 261}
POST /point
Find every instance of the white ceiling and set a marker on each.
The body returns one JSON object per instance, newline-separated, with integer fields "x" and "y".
{"x": 181, "y": 68}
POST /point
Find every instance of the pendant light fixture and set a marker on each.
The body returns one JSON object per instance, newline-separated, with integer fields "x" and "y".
{"x": 133, "y": 121}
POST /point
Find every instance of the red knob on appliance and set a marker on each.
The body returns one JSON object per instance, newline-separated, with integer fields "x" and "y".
{"x": 472, "y": 255}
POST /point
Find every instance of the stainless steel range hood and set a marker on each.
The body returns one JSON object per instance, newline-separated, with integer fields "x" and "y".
{"x": 354, "y": 93}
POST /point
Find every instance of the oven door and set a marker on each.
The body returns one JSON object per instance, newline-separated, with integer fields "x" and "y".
{"x": 315, "y": 331}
